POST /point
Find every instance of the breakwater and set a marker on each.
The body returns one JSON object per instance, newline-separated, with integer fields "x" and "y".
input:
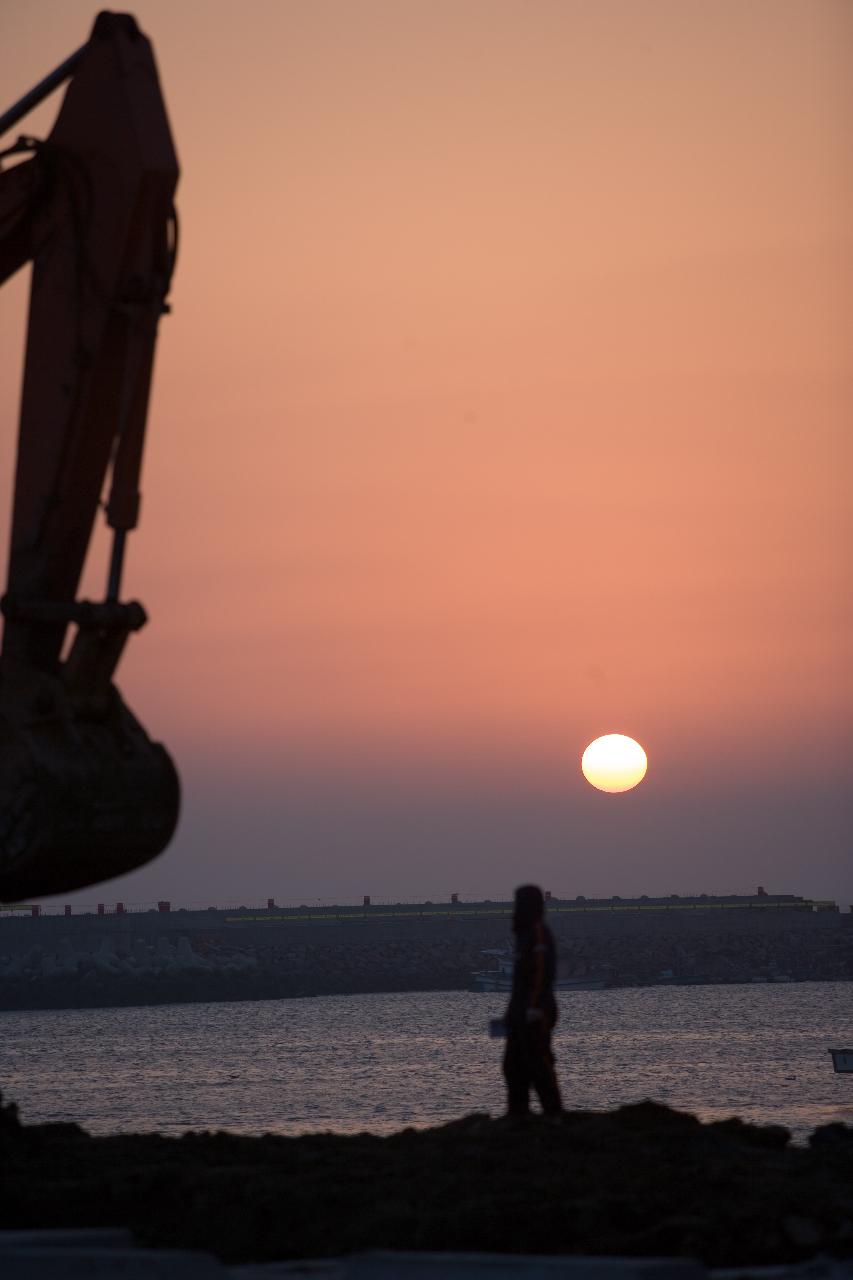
{"x": 58, "y": 962}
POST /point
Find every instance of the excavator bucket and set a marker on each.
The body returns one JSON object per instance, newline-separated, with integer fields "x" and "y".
{"x": 82, "y": 798}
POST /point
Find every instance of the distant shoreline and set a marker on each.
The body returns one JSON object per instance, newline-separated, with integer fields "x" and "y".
{"x": 169, "y": 959}
{"x": 153, "y": 993}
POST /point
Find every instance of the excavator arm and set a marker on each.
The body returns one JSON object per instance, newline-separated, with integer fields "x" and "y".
{"x": 84, "y": 793}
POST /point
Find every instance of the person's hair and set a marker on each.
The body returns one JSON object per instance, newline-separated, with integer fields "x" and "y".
{"x": 529, "y": 907}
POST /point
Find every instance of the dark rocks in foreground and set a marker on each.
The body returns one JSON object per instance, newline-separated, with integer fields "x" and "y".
{"x": 639, "y": 1181}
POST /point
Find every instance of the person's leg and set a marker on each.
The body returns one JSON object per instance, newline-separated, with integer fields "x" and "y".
{"x": 517, "y": 1075}
{"x": 544, "y": 1075}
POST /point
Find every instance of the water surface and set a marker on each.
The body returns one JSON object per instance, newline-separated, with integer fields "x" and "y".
{"x": 383, "y": 1062}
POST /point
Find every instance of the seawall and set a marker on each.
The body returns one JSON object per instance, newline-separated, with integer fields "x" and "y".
{"x": 153, "y": 957}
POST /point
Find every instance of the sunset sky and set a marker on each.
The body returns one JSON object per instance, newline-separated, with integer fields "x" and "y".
{"x": 506, "y": 401}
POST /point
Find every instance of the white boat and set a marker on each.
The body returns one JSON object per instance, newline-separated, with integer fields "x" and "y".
{"x": 842, "y": 1059}
{"x": 500, "y": 977}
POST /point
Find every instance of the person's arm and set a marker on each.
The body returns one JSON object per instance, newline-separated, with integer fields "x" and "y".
{"x": 537, "y": 985}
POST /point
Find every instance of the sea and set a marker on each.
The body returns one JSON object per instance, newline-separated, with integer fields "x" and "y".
{"x": 380, "y": 1063}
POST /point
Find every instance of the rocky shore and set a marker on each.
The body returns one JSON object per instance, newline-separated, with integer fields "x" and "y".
{"x": 639, "y": 1181}
{"x": 133, "y": 971}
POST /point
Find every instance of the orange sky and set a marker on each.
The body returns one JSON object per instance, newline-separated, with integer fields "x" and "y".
{"x": 505, "y": 402}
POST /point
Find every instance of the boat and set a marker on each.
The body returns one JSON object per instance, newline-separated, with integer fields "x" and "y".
{"x": 842, "y": 1059}
{"x": 499, "y": 978}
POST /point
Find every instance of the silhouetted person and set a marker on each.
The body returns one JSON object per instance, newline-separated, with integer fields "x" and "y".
{"x": 532, "y": 1011}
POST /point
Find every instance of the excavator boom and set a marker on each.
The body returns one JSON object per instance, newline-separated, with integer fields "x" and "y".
{"x": 84, "y": 793}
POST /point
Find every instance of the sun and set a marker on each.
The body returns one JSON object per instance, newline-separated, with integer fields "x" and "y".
{"x": 614, "y": 763}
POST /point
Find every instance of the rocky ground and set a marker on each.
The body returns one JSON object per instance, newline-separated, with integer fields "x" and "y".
{"x": 141, "y": 973}
{"x": 639, "y": 1181}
